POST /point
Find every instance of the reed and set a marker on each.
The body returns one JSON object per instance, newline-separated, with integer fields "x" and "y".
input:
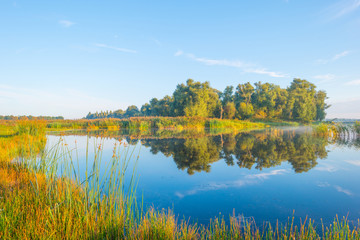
{"x": 148, "y": 123}
{"x": 337, "y": 130}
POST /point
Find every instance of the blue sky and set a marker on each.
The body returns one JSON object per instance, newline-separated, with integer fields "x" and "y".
{"x": 71, "y": 57}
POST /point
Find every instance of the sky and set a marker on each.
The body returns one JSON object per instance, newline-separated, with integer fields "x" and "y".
{"x": 69, "y": 58}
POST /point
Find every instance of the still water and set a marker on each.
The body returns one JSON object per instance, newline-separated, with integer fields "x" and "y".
{"x": 266, "y": 175}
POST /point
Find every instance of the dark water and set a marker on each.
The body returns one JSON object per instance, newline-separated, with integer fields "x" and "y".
{"x": 267, "y": 175}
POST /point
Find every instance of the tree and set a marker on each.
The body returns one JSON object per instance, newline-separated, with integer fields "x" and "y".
{"x": 301, "y": 101}
{"x": 321, "y": 106}
{"x": 164, "y": 106}
{"x": 132, "y": 111}
{"x": 243, "y": 103}
{"x": 268, "y": 100}
{"x": 195, "y": 99}
{"x": 146, "y": 109}
{"x": 229, "y": 110}
{"x": 226, "y": 98}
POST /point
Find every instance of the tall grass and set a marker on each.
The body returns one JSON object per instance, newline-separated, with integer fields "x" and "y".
{"x": 147, "y": 123}
{"x": 337, "y": 130}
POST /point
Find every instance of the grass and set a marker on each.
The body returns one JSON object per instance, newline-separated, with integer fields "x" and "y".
{"x": 147, "y": 123}
{"x": 337, "y": 130}
{"x": 38, "y": 203}
{"x": 278, "y": 122}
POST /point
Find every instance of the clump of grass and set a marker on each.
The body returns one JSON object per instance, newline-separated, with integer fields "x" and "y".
{"x": 337, "y": 130}
{"x": 233, "y": 124}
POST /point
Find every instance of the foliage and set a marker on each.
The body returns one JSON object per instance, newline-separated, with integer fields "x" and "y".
{"x": 11, "y": 117}
{"x": 337, "y": 131}
{"x": 195, "y": 99}
{"x": 147, "y": 123}
{"x": 299, "y": 102}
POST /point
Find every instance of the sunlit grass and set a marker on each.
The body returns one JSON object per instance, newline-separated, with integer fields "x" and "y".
{"x": 337, "y": 130}
{"x": 147, "y": 123}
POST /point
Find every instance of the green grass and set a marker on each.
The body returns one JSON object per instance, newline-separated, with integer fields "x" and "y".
{"x": 147, "y": 123}
{"x": 337, "y": 130}
{"x": 278, "y": 122}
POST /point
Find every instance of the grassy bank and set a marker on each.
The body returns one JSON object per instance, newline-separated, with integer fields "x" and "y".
{"x": 36, "y": 203}
{"x": 337, "y": 130}
{"x": 146, "y": 123}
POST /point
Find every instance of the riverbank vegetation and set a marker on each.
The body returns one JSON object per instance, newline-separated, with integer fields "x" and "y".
{"x": 265, "y": 101}
{"x": 38, "y": 203}
{"x": 338, "y": 130}
{"x": 148, "y": 123}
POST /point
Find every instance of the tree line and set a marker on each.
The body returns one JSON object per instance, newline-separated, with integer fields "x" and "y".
{"x": 299, "y": 102}
{"x": 30, "y": 117}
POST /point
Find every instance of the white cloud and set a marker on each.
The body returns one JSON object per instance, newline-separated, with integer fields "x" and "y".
{"x": 353, "y": 83}
{"x": 115, "y": 48}
{"x": 266, "y": 175}
{"x": 66, "y": 23}
{"x": 354, "y": 162}
{"x": 340, "y": 55}
{"x": 326, "y": 168}
{"x": 346, "y": 7}
{"x": 337, "y": 187}
{"x": 246, "y": 67}
{"x": 343, "y": 190}
{"x": 178, "y": 53}
{"x": 334, "y": 58}
{"x": 325, "y": 78}
{"x": 323, "y": 184}
{"x": 247, "y": 180}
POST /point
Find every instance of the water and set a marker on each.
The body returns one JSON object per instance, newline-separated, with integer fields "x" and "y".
{"x": 265, "y": 175}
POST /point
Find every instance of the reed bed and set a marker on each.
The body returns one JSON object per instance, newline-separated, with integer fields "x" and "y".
{"x": 43, "y": 196}
{"x": 336, "y": 131}
{"x": 147, "y": 123}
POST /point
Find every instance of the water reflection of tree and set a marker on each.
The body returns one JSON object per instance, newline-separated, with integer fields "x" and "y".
{"x": 195, "y": 154}
{"x": 268, "y": 150}
{"x": 248, "y": 150}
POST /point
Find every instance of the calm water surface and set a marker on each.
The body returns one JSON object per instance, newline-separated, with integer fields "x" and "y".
{"x": 266, "y": 175}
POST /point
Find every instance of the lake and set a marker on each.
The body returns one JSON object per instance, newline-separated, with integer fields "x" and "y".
{"x": 265, "y": 175}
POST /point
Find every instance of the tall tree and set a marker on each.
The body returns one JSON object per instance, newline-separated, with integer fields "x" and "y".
{"x": 227, "y": 103}
{"x": 301, "y": 102}
{"x": 195, "y": 99}
{"x": 321, "y": 106}
{"x": 132, "y": 111}
{"x": 243, "y": 103}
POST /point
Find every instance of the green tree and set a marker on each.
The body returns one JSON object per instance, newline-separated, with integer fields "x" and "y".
{"x": 229, "y": 110}
{"x": 227, "y": 107}
{"x": 164, "y": 106}
{"x": 269, "y": 100}
{"x": 132, "y": 111}
{"x": 301, "y": 101}
{"x": 243, "y": 100}
{"x": 321, "y": 106}
{"x": 146, "y": 109}
{"x": 195, "y": 99}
